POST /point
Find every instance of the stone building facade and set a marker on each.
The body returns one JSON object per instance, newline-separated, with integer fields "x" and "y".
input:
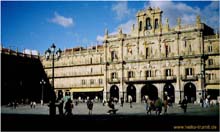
{"x": 153, "y": 60}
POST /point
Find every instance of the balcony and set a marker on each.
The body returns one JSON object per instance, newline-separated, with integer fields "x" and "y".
{"x": 189, "y": 77}
{"x": 213, "y": 81}
{"x": 144, "y": 79}
{"x": 113, "y": 80}
{"x": 214, "y": 66}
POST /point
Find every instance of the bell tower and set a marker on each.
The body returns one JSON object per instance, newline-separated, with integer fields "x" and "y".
{"x": 149, "y": 21}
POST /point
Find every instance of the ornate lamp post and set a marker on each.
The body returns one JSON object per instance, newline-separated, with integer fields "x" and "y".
{"x": 52, "y": 52}
{"x": 42, "y": 82}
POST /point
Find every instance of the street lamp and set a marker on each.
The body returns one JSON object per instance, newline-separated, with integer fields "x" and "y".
{"x": 42, "y": 82}
{"x": 52, "y": 52}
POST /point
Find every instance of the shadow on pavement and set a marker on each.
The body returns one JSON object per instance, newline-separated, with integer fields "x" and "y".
{"x": 11, "y": 122}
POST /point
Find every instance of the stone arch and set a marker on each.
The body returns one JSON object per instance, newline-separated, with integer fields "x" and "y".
{"x": 149, "y": 90}
{"x": 190, "y": 92}
{"x": 169, "y": 91}
{"x": 131, "y": 90}
{"x": 114, "y": 92}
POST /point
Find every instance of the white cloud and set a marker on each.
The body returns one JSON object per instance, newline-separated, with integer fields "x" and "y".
{"x": 28, "y": 51}
{"x": 121, "y": 9}
{"x": 99, "y": 38}
{"x": 61, "y": 20}
{"x": 173, "y": 10}
{"x": 126, "y": 27}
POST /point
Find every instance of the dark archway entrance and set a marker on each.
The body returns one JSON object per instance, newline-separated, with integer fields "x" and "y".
{"x": 131, "y": 90}
{"x": 114, "y": 92}
{"x": 169, "y": 91}
{"x": 190, "y": 92}
{"x": 149, "y": 90}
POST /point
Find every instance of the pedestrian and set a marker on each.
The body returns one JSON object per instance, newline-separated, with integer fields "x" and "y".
{"x": 201, "y": 102}
{"x": 184, "y": 104}
{"x": 60, "y": 106}
{"x": 146, "y": 104}
{"x": 90, "y": 106}
{"x": 158, "y": 105}
{"x": 151, "y": 106}
{"x": 165, "y": 105}
{"x": 68, "y": 107}
{"x": 34, "y": 104}
{"x": 31, "y": 104}
{"x": 103, "y": 104}
{"x": 122, "y": 101}
{"x": 130, "y": 100}
{"x": 206, "y": 102}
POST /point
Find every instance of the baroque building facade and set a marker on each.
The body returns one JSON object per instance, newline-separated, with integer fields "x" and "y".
{"x": 153, "y": 60}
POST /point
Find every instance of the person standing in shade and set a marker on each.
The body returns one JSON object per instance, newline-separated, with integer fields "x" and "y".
{"x": 90, "y": 106}
{"x": 68, "y": 107}
{"x": 184, "y": 104}
{"x": 130, "y": 100}
{"x": 60, "y": 106}
{"x": 122, "y": 101}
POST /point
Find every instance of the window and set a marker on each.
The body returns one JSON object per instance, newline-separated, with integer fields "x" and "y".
{"x": 90, "y": 60}
{"x": 100, "y": 81}
{"x": 148, "y": 73}
{"x": 91, "y": 70}
{"x": 211, "y": 76}
{"x": 83, "y": 82}
{"x": 166, "y": 49}
{"x": 188, "y": 71}
{"x": 210, "y": 62}
{"x": 185, "y": 43}
{"x": 130, "y": 74}
{"x": 147, "y": 52}
{"x": 100, "y": 59}
{"x": 91, "y": 81}
{"x": 168, "y": 72}
{"x": 140, "y": 25}
{"x": 210, "y": 48}
{"x": 190, "y": 48}
{"x": 156, "y": 24}
{"x": 113, "y": 55}
{"x": 113, "y": 75}
{"x": 148, "y": 24}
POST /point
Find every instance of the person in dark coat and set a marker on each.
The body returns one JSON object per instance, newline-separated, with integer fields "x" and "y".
{"x": 68, "y": 107}
{"x": 122, "y": 101}
{"x": 60, "y": 106}
{"x": 90, "y": 106}
{"x": 184, "y": 104}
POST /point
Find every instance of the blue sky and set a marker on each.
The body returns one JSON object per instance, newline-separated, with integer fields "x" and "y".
{"x": 36, "y": 25}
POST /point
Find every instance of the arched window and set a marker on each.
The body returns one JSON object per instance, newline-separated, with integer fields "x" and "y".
{"x": 156, "y": 24}
{"x": 148, "y": 24}
{"x": 140, "y": 25}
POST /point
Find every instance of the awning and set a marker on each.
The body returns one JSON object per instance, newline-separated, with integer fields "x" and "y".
{"x": 86, "y": 89}
{"x": 213, "y": 87}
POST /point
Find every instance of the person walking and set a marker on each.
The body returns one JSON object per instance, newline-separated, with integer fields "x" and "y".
{"x": 60, "y": 106}
{"x": 158, "y": 105}
{"x": 184, "y": 104}
{"x": 90, "y": 106}
{"x": 165, "y": 105}
{"x": 130, "y": 100}
{"x": 68, "y": 107}
{"x": 122, "y": 101}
